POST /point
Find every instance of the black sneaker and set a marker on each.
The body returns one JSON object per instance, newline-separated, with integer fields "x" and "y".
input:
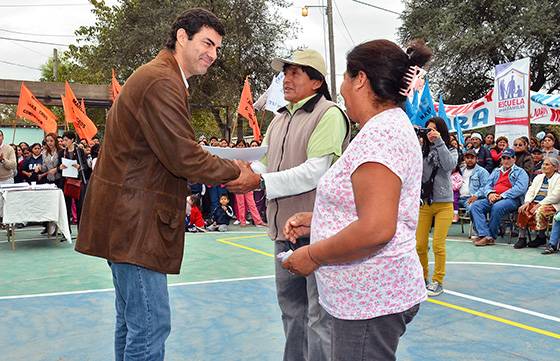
{"x": 537, "y": 242}
{"x": 521, "y": 243}
{"x": 550, "y": 249}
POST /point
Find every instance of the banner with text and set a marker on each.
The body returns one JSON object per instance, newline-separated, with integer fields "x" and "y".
{"x": 511, "y": 99}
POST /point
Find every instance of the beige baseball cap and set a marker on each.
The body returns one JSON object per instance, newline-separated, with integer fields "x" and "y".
{"x": 306, "y": 57}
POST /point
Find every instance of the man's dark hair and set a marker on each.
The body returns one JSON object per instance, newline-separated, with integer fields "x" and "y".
{"x": 213, "y": 137}
{"x": 192, "y": 21}
{"x": 314, "y": 74}
{"x": 69, "y": 134}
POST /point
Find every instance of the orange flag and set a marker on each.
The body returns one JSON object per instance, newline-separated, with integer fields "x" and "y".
{"x": 115, "y": 86}
{"x": 83, "y": 106}
{"x": 83, "y": 125}
{"x": 30, "y": 108}
{"x": 247, "y": 111}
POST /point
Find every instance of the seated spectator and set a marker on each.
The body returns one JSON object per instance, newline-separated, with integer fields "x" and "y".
{"x": 221, "y": 215}
{"x": 32, "y": 166}
{"x": 504, "y": 192}
{"x": 541, "y": 201}
{"x": 496, "y": 152}
{"x": 547, "y": 145}
{"x": 194, "y": 222}
{"x": 537, "y": 157}
{"x": 552, "y": 245}
{"x": 489, "y": 141}
{"x": 255, "y": 143}
{"x": 474, "y": 179}
{"x": 522, "y": 156}
{"x": 224, "y": 143}
{"x": 533, "y": 143}
{"x": 483, "y": 154}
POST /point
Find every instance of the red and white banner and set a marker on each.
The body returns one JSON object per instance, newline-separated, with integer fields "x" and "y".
{"x": 474, "y": 115}
{"x": 512, "y": 99}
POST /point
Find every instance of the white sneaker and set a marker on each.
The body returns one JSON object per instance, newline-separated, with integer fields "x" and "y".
{"x": 434, "y": 289}
{"x": 236, "y": 222}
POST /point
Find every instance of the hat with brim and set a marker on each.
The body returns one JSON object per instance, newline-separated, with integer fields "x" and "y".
{"x": 508, "y": 152}
{"x": 305, "y": 57}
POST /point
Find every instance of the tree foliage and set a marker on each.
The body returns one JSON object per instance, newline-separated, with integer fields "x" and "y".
{"x": 131, "y": 33}
{"x": 469, "y": 37}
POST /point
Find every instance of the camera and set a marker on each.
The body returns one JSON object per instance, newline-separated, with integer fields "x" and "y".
{"x": 422, "y": 131}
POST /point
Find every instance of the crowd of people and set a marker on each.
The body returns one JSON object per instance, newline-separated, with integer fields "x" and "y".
{"x": 41, "y": 163}
{"x": 490, "y": 178}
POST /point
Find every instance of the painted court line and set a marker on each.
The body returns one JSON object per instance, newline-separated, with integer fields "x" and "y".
{"x": 496, "y": 318}
{"x": 473, "y": 298}
{"x": 53, "y": 294}
{"x": 503, "y": 305}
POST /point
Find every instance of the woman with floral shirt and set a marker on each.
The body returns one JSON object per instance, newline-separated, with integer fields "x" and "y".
{"x": 363, "y": 246}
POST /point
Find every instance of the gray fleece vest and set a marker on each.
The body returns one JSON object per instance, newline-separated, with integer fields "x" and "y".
{"x": 288, "y": 136}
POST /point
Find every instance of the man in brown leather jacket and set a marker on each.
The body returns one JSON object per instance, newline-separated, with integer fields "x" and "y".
{"x": 135, "y": 204}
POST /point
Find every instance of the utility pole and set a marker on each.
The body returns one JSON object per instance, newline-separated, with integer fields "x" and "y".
{"x": 331, "y": 49}
{"x": 329, "y": 13}
{"x": 55, "y": 64}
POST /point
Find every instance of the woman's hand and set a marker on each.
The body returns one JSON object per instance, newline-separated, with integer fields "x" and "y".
{"x": 300, "y": 262}
{"x": 433, "y": 135}
{"x": 52, "y": 171}
{"x": 62, "y": 166}
{"x": 298, "y": 225}
{"x": 77, "y": 166}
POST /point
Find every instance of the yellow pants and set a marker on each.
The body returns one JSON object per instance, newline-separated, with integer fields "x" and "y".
{"x": 442, "y": 215}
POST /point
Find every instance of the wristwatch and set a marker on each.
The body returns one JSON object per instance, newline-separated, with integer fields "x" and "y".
{"x": 262, "y": 184}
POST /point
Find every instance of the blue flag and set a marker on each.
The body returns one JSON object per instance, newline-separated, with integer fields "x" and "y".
{"x": 460, "y": 137}
{"x": 426, "y": 108}
{"x": 411, "y": 108}
{"x": 441, "y": 113}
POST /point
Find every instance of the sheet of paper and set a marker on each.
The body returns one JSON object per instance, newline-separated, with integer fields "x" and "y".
{"x": 69, "y": 171}
{"x": 246, "y": 154}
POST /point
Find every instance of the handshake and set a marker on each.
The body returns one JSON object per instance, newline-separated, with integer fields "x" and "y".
{"x": 247, "y": 181}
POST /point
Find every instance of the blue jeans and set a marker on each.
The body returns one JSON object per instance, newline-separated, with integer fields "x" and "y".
{"x": 481, "y": 207}
{"x": 143, "y": 316}
{"x": 554, "y": 235}
{"x": 463, "y": 203}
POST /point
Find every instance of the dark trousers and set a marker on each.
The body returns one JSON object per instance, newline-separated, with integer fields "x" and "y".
{"x": 375, "y": 339}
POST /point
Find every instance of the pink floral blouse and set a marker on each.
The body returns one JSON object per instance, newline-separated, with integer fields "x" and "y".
{"x": 391, "y": 280}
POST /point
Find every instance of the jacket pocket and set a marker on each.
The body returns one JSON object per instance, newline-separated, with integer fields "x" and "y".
{"x": 168, "y": 233}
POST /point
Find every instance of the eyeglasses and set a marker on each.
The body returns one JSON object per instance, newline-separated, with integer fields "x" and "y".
{"x": 505, "y": 157}
{"x": 518, "y": 144}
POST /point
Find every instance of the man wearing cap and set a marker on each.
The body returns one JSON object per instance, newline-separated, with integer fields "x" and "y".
{"x": 482, "y": 153}
{"x": 474, "y": 180}
{"x": 504, "y": 193}
{"x": 303, "y": 140}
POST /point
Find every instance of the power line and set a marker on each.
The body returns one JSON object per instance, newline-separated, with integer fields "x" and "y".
{"x": 39, "y": 5}
{"x": 343, "y": 23}
{"x": 33, "y": 41}
{"x": 25, "y": 47}
{"x": 377, "y": 7}
{"x": 35, "y": 34}
{"x": 21, "y": 65}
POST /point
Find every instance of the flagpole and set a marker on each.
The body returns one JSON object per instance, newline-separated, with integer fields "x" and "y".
{"x": 14, "y": 135}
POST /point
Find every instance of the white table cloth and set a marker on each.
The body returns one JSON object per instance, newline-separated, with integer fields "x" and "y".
{"x": 35, "y": 205}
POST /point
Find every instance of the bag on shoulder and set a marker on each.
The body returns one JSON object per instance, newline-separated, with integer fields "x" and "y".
{"x": 72, "y": 188}
{"x": 427, "y": 190}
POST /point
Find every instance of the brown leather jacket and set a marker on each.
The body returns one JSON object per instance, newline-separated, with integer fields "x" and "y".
{"x": 134, "y": 208}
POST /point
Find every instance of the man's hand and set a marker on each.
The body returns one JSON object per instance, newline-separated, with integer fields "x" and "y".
{"x": 298, "y": 225}
{"x": 472, "y": 199}
{"x": 247, "y": 180}
{"x": 494, "y": 197}
{"x": 300, "y": 262}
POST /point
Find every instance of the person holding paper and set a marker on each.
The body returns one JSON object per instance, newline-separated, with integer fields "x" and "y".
{"x": 74, "y": 184}
{"x": 135, "y": 205}
{"x": 303, "y": 141}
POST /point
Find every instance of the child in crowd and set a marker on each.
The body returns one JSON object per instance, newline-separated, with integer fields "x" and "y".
{"x": 221, "y": 215}
{"x": 456, "y": 183}
{"x": 194, "y": 221}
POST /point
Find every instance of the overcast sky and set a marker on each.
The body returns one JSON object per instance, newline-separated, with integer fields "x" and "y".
{"x": 353, "y": 23}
